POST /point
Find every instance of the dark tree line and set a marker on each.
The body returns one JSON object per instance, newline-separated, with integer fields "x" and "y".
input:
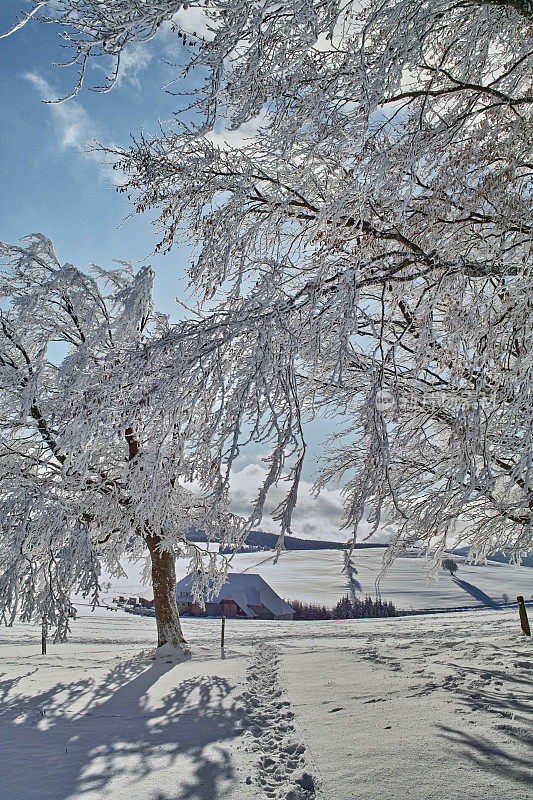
{"x": 346, "y": 608}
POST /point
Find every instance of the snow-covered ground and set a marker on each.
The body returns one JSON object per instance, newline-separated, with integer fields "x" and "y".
{"x": 317, "y": 575}
{"x": 424, "y": 708}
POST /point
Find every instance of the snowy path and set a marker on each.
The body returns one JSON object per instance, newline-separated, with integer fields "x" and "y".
{"x": 281, "y": 761}
{"x": 414, "y": 708}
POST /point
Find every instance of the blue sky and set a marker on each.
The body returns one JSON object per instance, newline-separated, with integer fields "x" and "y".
{"x": 47, "y": 184}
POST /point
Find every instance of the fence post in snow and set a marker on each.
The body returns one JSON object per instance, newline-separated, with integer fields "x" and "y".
{"x": 43, "y": 637}
{"x": 523, "y": 615}
{"x": 222, "y": 633}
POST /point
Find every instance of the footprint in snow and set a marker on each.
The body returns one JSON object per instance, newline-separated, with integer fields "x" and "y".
{"x": 281, "y": 771}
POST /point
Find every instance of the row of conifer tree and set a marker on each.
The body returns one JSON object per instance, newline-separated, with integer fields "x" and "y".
{"x": 346, "y": 608}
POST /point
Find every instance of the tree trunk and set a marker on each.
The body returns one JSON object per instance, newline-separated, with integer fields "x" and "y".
{"x": 164, "y": 584}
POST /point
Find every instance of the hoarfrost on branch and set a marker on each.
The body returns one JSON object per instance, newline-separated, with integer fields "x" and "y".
{"x": 366, "y": 252}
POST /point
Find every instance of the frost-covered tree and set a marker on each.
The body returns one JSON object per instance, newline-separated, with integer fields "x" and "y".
{"x": 449, "y": 564}
{"x": 108, "y": 414}
{"x": 380, "y": 218}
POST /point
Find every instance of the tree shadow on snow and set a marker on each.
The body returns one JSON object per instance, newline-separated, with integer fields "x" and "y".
{"x": 353, "y": 584}
{"x": 504, "y": 747}
{"x": 76, "y": 738}
{"x": 498, "y": 758}
{"x": 476, "y": 593}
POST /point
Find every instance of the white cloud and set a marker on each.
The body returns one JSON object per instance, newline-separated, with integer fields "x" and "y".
{"x": 227, "y": 139}
{"x": 70, "y": 118}
{"x": 314, "y": 517}
{"x": 73, "y": 126}
{"x": 190, "y": 20}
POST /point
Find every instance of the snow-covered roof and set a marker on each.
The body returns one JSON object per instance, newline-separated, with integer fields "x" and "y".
{"x": 246, "y": 589}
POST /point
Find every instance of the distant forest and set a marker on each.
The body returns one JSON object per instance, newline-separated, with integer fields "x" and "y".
{"x": 261, "y": 540}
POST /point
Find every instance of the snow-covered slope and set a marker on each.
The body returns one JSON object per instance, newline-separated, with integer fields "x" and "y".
{"x": 408, "y": 583}
{"x": 317, "y": 576}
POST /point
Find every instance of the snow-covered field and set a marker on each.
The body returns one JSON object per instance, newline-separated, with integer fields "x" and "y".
{"x": 425, "y": 708}
{"x": 317, "y": 575}
{"x": 419, "y": 707}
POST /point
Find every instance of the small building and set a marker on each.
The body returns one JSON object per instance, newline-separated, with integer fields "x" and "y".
{"x": 243, "y": 596}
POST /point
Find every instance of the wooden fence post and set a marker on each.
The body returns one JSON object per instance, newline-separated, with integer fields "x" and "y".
{"x": 222, "y": 633}
{"x": 523, "y": 615}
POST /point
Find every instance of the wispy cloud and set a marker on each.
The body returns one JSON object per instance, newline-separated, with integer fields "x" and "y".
{"x": 71, "y": 121}
{"x": 133, "y": 61}
{"x": 74, "y": 128}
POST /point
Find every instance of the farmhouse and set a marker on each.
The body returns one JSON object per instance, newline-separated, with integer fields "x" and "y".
{"x": 243, "y": 596}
